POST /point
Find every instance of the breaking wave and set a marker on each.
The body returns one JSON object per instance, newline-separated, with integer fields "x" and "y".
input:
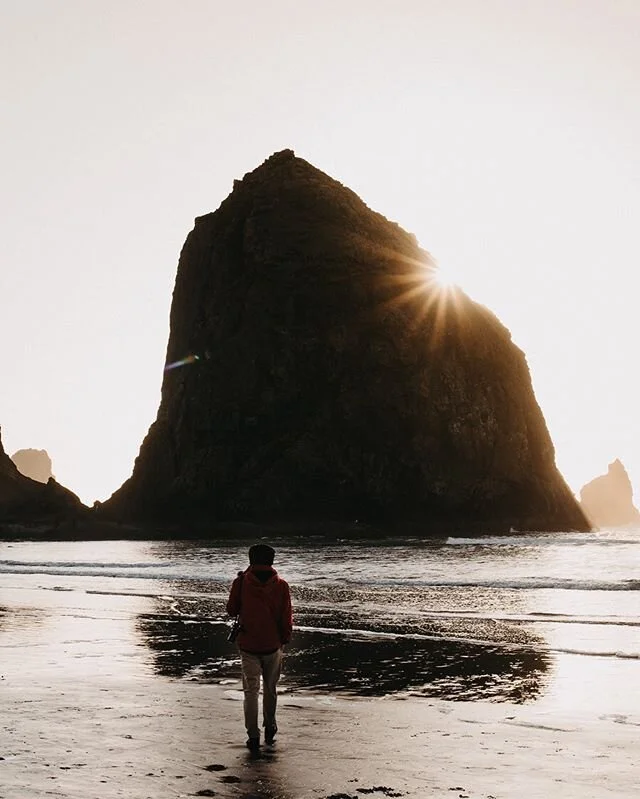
{"x": 553, "y": 540}
{"x": 175, "y": 571}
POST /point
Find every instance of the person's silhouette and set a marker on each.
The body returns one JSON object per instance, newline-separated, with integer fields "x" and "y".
{"x": 262, "y": 601}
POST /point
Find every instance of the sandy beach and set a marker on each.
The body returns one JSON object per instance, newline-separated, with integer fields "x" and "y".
{"x": 84, "y": 716}
{"x": 116, "y": 679}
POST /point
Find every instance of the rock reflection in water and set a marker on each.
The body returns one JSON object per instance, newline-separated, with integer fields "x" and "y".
{"x": 355, "y": 664}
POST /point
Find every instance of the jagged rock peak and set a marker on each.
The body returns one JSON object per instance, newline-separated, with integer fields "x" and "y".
{"x": 279, "y": 157}
{"x": 285, "y": 173}
{"x": 268, "y": 165}
{"x": 286, "y": 166}
{"x": 616, "y": 468}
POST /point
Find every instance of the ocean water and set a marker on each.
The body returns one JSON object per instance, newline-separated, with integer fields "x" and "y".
{"x": 552, "y": 619}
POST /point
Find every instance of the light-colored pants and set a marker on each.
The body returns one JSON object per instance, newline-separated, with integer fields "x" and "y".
{"x": 254, "y": 667}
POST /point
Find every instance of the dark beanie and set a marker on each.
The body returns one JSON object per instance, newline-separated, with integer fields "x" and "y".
{"x": 261, "y": 555}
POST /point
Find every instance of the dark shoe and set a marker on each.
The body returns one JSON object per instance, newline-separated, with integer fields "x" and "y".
{"x": 253, "y": 744}
{"x": 270, "y": 734}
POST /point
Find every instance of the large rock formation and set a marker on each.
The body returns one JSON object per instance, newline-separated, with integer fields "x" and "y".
{"x": 33, "y": 463}
{"x": 607, "y": 500}
{"x": 316, "y": 371}
{"x": 23, "y": 500}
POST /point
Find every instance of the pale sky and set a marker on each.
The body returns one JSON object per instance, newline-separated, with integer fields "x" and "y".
{"x": 504, "y": 133}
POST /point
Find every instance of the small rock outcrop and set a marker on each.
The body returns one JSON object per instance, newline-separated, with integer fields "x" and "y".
{"x": 316, "y": 371}
{"x": 33, "y": 463}
{"x": 23, "y": 500}
{"x": 607, "y": 500}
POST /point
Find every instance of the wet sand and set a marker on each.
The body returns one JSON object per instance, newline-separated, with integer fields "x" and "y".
{"x": 104, "y": 736}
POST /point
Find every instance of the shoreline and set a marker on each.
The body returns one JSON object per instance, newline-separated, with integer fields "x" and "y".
{"x": 91, "y": 524}
{"x": 105, "y": 530}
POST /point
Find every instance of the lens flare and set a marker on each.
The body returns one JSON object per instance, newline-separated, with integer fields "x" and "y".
{"x": 182, "y": 362}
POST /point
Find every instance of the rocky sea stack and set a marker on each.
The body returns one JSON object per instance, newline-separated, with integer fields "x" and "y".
{"x": 33, "y": 463}
{"x": 607, "y": 500}
{"x": 327, "y": 377}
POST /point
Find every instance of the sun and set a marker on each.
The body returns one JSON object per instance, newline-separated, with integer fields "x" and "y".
{"x": 444, "y": 276}
{"x": 428, "y": 294}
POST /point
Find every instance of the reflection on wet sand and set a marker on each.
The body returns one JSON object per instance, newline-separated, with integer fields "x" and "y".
{"x": 363, "y": 665}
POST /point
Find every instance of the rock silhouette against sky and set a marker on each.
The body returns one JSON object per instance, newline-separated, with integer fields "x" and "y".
{"x": 608, "y": 499}
{"x": 33, "y": 463}
{"x": 25, "y": 500}
{"x": 318, "y": 372}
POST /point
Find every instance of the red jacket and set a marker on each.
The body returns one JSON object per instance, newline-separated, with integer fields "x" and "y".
{"x": 263, "y": 601}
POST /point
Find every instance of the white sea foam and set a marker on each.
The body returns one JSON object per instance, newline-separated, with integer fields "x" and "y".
{"x": 79, "y": 565}
{"x": 567, "y": 584}
{"x": 553, "y": 539}
{"x": 178, "y": 572}
{"x": 479, "y": 641}
{"x": 141, "y": 571}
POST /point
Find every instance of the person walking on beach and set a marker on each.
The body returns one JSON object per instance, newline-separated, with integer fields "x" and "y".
{"x": 262, "y": 600}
